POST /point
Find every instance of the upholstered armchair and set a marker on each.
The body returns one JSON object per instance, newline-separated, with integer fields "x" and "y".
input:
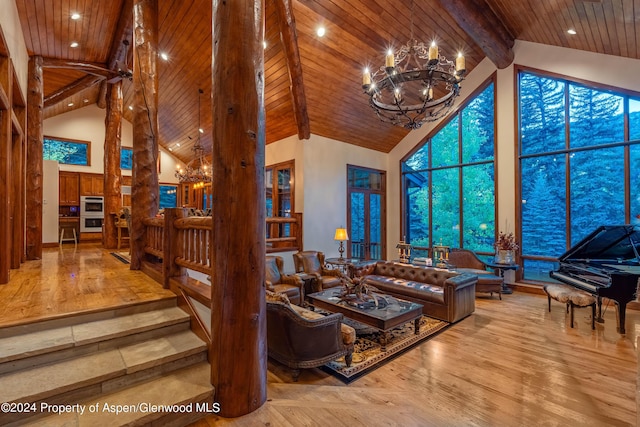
{"x": 301, "y": 338}
{"x": 466, "y": 261}
{"x": 290, "y": 285}
{"x": 312, "y": 262}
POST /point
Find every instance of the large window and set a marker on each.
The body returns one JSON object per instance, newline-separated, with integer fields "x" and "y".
{"x": 126, "y": 158}
{"x": 448, "y": 181}
{"x": 579, "y": 165}
{"x": 68, "y": 152}
{"x": 168, "y": 196}
{"x": 279, "y": 196}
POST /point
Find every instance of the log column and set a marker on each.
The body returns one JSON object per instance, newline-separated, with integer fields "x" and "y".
{"x": 238, "y": 314}
{"x": 35, "y": 103}
{"x": 144, "y": 188}
{"x": 6, "y": 81}
{"x": 112, "y": 178}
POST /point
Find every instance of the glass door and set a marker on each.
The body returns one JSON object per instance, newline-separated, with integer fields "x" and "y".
{"x": 366, "y": 214}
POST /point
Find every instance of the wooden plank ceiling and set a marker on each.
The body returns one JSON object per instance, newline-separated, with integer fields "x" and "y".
{"x": 358, "y": 32}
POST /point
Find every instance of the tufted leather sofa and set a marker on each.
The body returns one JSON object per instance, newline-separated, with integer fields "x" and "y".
{"x": 445, "y": 295}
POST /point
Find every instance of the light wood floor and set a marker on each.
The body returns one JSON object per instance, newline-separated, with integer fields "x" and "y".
{"x": 73, "y": 279}
{"x": 511, "y": 363}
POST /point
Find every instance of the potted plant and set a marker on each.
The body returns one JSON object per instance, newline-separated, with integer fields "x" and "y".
{"x": 506, "y": 248}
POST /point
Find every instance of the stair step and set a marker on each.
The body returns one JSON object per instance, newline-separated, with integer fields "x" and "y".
{"x": 101, "y": 369}
{"x": 188, "y": 386}
{"x": 74, "y": 340}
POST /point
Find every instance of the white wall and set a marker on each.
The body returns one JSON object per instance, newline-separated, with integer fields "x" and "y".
{"x": 87, "y": 124}
{"x": 10, "y": 25}
{"x": 49, "y": 201}
{"x": 321, "y": 185}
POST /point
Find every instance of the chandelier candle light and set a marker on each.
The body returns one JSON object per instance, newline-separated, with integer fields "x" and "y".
{"x": 197, "y": 171}
{"x": 403, "y": 91}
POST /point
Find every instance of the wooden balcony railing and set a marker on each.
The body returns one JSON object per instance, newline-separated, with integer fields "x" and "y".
{"x": 180, "y": 242}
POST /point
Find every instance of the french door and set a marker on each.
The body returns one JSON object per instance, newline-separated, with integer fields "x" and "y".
{"x": 366, "y": 213}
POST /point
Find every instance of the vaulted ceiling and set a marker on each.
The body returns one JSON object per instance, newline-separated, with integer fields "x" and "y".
{"x": 358, "y": 32}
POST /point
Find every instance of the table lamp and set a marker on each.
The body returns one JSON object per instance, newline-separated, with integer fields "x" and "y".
{"x": 341, "y": 236}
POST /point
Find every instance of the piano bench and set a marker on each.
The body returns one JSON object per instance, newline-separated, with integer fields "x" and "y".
{"x": 572, "y": 297}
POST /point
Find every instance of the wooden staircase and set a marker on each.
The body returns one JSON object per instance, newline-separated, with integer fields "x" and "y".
{"x": 137, "y": 365}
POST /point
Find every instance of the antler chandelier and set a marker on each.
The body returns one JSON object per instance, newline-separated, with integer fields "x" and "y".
{"x": 403, "y": 91}
{"x": 198, "y": 170}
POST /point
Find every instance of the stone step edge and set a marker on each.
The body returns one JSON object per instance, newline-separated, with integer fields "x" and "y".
{"x": 195, "y": 376}
{"x": 121, "y": 378}
{"x": 70, "y": 319}
{"x": 179, "y": 317}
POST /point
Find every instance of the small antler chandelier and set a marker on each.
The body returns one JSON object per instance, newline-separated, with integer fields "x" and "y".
{"x": 402, "y": 92}
{"x": 197, "y": 170}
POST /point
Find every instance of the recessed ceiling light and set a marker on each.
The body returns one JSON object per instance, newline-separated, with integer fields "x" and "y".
{"x": 572, "y": 31}
{"x": 74, "y": 44}
{"x": 130, "y": 107}
{"x": 70, "y": 104}
{"x": 85, "y": 100}
{"x": 264, "y": 44}
{"x": 75, "y": 16}
{"x": 320, "y": 31}
{"x": 170, "y": 149}
{"x": 177, "y": 144}
{"x": 201, "y": 130}
{"x": 164, "y": 56}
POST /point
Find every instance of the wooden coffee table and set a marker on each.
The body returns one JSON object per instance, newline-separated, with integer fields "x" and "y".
{"x": 396, "y": 313}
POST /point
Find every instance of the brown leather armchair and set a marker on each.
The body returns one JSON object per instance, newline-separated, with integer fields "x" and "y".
{"x": 290, "y": 285}
{"x": 466, "y": 261}
{"x": 312, "y": 262}
{"x": 300, "y": 338}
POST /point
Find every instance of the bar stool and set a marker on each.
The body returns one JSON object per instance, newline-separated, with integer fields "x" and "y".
{"x": 73, "y": 238}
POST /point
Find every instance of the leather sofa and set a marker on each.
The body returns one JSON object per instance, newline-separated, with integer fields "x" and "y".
{"x": 445, "y": 295}
{"x": 301, "y": 338}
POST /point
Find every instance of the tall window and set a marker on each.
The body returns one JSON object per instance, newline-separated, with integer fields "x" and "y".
{"x": 279, "y": 195}
{"x": 168, "y": 196}
{"x": 366, "y": 217}
{"x": 579, "y": 165}
{"x": 448, "y": 181}
{"x": 126, "y": 158}
{"x": 68, "y": 152}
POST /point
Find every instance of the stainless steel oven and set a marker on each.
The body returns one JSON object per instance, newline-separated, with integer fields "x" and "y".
{"x": 91, "y": 214}
{"x": 90, "y": 224}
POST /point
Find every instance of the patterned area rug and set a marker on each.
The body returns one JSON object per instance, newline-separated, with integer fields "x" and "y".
{"x": 368, "y": 354}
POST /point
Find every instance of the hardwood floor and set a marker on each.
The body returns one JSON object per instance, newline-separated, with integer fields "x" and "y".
{"x": 73, "y": 279}
{"x": 511, "y": 363}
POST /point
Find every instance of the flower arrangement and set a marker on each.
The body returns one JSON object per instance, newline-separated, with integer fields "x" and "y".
{"x": 506, "y": 242}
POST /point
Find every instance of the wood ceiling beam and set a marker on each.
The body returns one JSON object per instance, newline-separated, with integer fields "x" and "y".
{"x": 93, "y": 68}
{"x": 289, "y": 38}
{"x": 118, "y": 51}
{"x": 71, "y": 89}
{"x": 477, "y": 19}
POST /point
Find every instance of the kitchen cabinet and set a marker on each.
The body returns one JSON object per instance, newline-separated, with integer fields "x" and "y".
{"x": 91, "y": 184}
{"x": 68, "y": 190}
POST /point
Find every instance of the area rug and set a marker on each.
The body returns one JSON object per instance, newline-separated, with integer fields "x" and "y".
{"x": 368, "y": 354}
{"x": 122, "y": 256}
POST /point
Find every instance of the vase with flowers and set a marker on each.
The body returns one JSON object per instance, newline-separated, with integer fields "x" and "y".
{"x": 506, "y": 248}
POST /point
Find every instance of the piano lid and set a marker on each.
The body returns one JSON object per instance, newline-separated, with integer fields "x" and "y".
{"x": 619, "y": 243}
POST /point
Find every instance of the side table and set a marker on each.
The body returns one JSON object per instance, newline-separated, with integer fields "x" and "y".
{"x": 341, "y": 263}
{"x": 501, "y": 268}
{"x": 310, "y": 283}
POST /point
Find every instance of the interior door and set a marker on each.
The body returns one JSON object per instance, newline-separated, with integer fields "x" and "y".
{"x": 366, "y": 213}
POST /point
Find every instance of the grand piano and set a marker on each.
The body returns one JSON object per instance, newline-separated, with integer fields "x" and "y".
{"x": 605, "y": 264}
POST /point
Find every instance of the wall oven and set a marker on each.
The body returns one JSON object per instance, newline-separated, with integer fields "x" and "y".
{"x": 91, "y": 214}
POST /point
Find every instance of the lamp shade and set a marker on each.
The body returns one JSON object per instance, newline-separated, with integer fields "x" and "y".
{"x": 341, "y": 234}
